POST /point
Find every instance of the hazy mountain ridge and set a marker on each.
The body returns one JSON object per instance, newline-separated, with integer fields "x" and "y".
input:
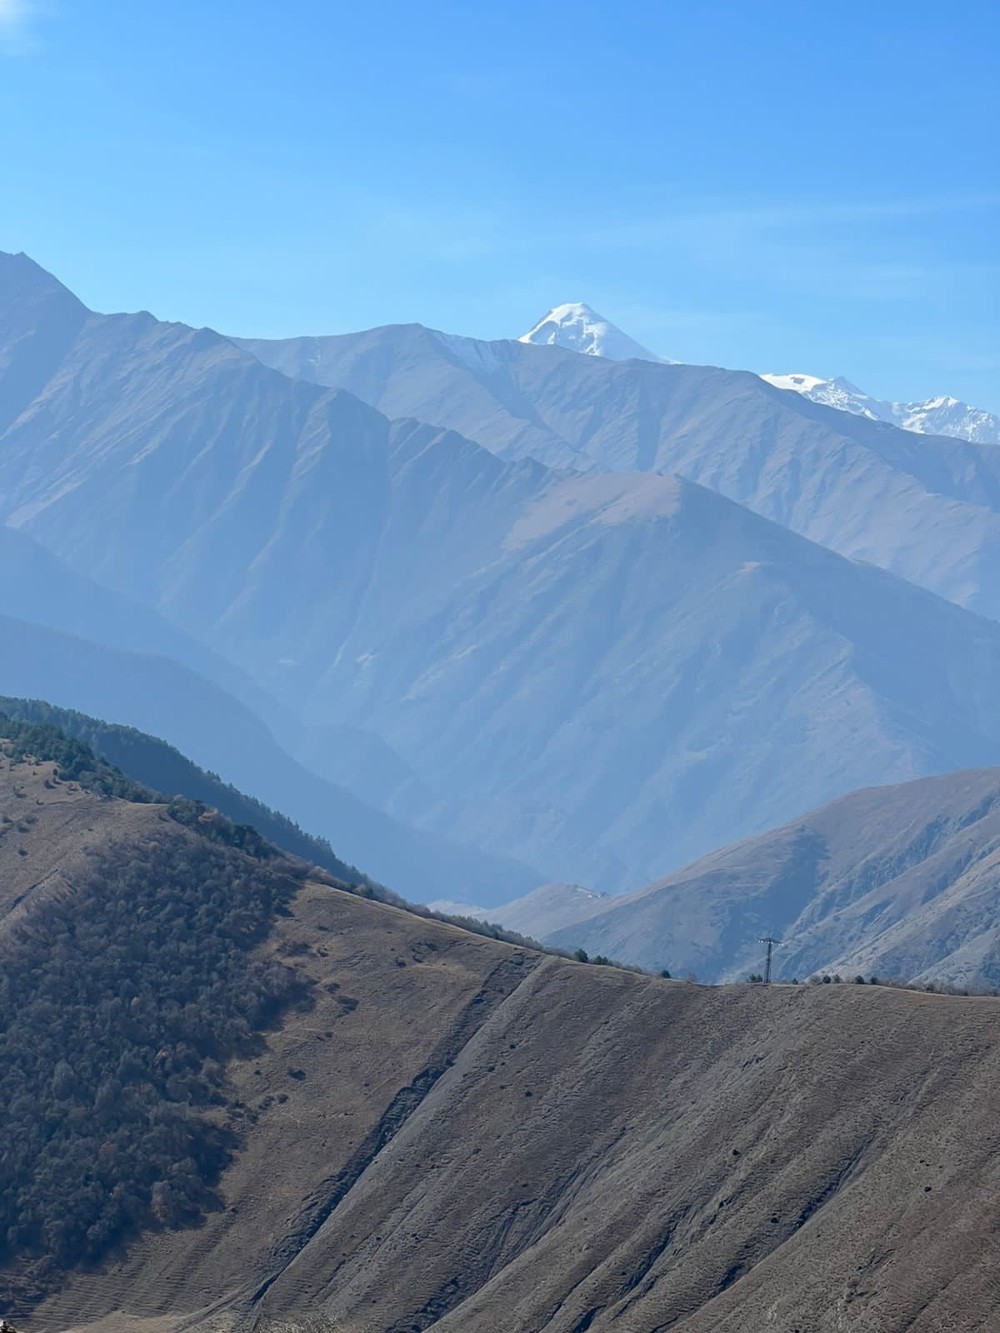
{"x": 542, "y": 912}
{"x": 205, "y": 463}
{"x": 36, "y": 586}
{"x": 926, "y": 508}
{"x": 647, "y": 710}
{"x": 495, "y": 621}
{"x": 162, "y": 699}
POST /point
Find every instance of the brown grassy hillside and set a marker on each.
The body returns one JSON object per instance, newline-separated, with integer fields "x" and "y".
{"x": 459, "y": 1134}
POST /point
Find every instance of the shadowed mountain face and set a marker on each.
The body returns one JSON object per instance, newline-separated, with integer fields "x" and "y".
{"x": 609, "y": 673}
{"x": 36, "y": 586}
{"x": 424, "y": 1129}
{"x": 900, "y": 882}
{"x": 924, "y": 507}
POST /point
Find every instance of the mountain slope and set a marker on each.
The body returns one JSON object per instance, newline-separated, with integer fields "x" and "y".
{"x": 162, "y": 769}
{"x": 935, "y": 416}
{"x": 444, "y": 1132}
{"x": 644, "y": 668}
{"x": 928, "y": 508}
{"x": 899, "y": 881}
{"x": 578, "y": 328}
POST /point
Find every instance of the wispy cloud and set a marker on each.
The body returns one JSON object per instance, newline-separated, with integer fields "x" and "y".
{"x": 15, "y": 24}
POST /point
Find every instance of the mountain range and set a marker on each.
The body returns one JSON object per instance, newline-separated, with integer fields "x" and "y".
{"x": 599, "y": 675}
{"x": 927, "y": 508}
{"x": 579, "y": 328}
{"x": 663, "y": 660}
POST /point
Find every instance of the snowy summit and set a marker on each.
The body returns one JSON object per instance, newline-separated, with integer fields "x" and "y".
{"x": 935, "y": 416}
{"x": 579, "y": 329}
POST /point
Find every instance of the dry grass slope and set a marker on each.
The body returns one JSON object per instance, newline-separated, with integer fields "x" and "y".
{"x": 465, "y": 1135}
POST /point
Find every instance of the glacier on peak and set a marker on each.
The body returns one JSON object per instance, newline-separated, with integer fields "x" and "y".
{"x": 578, "y": 328}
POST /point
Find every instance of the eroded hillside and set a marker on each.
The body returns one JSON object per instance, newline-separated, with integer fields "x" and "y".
{"x": 455, "y": 1133}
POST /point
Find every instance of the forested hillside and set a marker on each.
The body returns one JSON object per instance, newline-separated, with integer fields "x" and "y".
{"x": 127, "y": 983}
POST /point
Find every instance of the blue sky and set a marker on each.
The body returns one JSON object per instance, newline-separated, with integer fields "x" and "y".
{"x": 780, "y": 187}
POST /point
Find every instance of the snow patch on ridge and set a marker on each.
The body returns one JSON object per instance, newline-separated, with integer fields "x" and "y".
{"x": 476, "y": 355}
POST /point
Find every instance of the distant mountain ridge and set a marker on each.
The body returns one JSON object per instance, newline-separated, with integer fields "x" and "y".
{"x": 898, "y": 881}
{"x": 576, "y": 327}
{"x": 542, "y": 912}
{"x": 934, "y": 416}
{"x": 165, "y": 700}
{"x": 927, "y": 509}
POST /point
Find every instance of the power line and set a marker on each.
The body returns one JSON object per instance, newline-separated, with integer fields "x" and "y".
{"x": 771, "y": 943}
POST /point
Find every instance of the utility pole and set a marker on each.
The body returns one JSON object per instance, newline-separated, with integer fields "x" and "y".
{"x": 771, "y": 943}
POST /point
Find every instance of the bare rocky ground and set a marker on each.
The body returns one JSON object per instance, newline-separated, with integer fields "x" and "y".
{"x": 465, "y": 1135}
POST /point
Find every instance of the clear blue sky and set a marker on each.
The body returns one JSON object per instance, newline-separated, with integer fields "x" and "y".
{"x": 776, "y": 186}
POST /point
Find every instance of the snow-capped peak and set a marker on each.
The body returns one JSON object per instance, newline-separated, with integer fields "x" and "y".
{"x": 579, "y": 329}
{"x": 935, "y": 416}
